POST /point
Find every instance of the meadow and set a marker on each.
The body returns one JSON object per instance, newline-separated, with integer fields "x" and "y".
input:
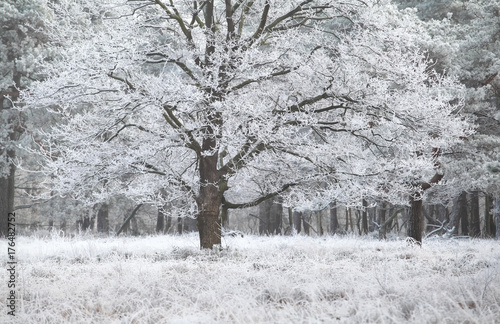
{"x": 252, "y": 279}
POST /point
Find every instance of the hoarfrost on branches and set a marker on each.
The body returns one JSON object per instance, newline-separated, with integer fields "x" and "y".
{"x": 226, "y": 104}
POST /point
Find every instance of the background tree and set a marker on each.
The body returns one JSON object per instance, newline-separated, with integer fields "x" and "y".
{"x": 464, "y": 42}
{"x": 22, "y": 41}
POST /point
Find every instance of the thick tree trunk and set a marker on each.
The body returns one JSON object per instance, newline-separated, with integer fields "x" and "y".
{"x": 210, "y": 198}
{"x": 475, "y": 221}
{"x": 416, "y": 222}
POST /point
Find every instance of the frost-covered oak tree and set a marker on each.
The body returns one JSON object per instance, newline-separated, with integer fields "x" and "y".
{"x": 224, "y": 104}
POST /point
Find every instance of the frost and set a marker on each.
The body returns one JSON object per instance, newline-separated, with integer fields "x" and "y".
{"x": 167, "y": 279}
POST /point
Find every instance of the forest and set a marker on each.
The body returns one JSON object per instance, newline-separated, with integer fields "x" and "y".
{"x": 193, "y": 134}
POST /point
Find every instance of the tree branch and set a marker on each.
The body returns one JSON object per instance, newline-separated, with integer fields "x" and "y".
{"x": 259, "y": 200}
{"x": 125, "y": 223}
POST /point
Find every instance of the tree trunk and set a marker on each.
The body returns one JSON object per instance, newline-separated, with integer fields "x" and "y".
{"x": 364, "y": 219}
{"x": 103, "y": 219}
{"x": 381, "y": 219}
{"x": 297, "y": 221}
{"x": 464, "y": 217}
{"x": 7, "y": 197}
{"x": 160, "y": 221}
{"x": 334, "y": 220}
{"x": 7, "y": 188}
{"x": 416, "y": 222}
{"x": 276, "y": 215}
{"x": 210, "y": 198}
{"x": 319, "y": 221}
{"x": 474, "y": 212}
{"x": 265, "y": 217}
{"x": 497, "y": 218}
{"x": 488, "y": 217}
{"x": 455, "y": 216}
{"x": 134, "y": 226}
{"x": 290, "y": 221}
{"x": 306, "y": 223}
{"x": 179, "y": 225}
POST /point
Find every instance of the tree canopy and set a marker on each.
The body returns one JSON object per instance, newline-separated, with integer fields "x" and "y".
{"x": 223, "y": 104}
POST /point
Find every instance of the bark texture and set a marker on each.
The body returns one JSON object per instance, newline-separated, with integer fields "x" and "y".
{"x": 416, "y": 222}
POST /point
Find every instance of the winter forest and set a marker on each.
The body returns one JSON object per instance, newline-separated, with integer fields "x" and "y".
{"x": 250, "y": 161}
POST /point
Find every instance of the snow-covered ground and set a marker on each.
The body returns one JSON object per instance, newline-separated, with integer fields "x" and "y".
{"x": 167, "y": 279}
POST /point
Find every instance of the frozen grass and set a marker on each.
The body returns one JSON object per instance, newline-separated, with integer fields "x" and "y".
{"x": 166, "y": 279}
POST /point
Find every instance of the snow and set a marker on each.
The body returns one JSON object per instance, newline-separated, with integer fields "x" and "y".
{"x": 167, "y": 279}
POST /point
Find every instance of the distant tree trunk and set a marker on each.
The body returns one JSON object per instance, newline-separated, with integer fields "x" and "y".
{"x": 474, "y": 212}
{"x": 134, "y": 226}
{"x": 348, "y": 219}
{"x": 455, "y": 216}
{"x": 84, "y": 224}
{"x": 7, "y": 184}
{"x": 488, "y": 217}
{"x": 127, "y": 219}
{"x": 364, "y": 215}
{"x": 125, "y": 228}
{"x": 319, "y": 221}
{"x": 334, "y": 221}
{"x": 388, "y": 227}
{"x": 416, "y": 222}
{"x": 464, "y": 217}
{"x": 372, "y": 218}
{"x": 168, "y": 223}
{"x": 62, "y": 226}
{"x": 381, "y": 219}
{"x": 190, "y": 225}
{"x": 290, "y": 220}
{"x": 7, "y": 197}
{"x": 297, "y": 221}
{"x": 265, "y": 217}
{"x": 276, "y": 215}
{"x": 224, "y": 216}
{"x": 497, "y": 218}
{"x": 179, "y": 225}
{"x": 160, "y": 221}
{"x": 103, "y": 219}
{"x": 306, "y": 218}
{"x": 428, "y": 212}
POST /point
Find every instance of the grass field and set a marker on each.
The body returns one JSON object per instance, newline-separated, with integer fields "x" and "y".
{"x": 167, "y": 279}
